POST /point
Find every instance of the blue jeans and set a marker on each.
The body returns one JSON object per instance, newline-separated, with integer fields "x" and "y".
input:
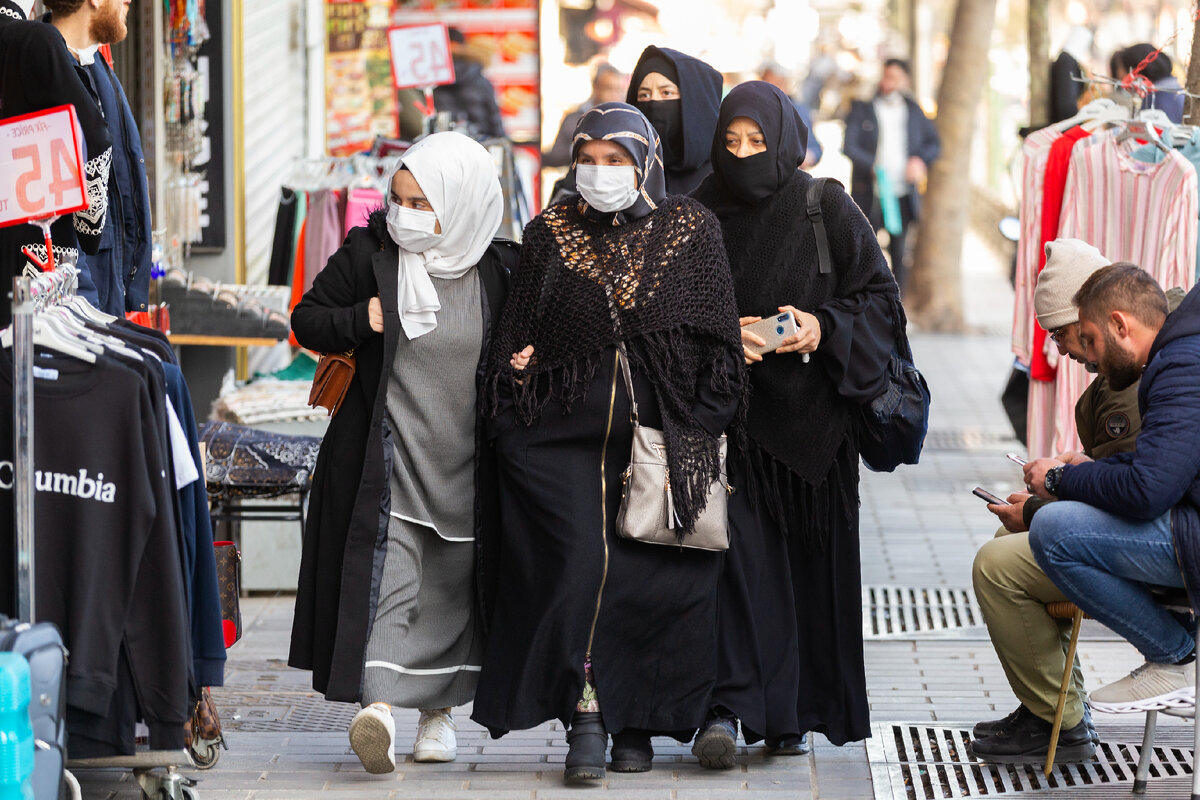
{"x": 1103, "y": 563}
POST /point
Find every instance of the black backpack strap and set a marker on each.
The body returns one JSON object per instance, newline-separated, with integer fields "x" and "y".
{"x": 815, "y": 190}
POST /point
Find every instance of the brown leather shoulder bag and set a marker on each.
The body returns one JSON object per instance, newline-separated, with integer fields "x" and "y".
{"x": 332, "y": 380}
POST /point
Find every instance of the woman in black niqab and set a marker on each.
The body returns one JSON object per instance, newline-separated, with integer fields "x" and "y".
{"x": 685, "y": 123}
{"x": 790, "y": 657}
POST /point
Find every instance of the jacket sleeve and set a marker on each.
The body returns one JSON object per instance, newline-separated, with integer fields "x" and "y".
{"x": 333, "y": 315}
{"x": 853, "y": 145}
{"x": 1147, "y": 482}
{"x": 928, "y": 145}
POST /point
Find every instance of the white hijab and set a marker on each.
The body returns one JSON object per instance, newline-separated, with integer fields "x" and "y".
{"x": 458, "y": 176}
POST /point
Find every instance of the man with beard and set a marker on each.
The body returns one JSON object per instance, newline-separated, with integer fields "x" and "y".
{"x": 121, "y": 266}
{"x": 38, "y": 72}
{"x": 1132, "y": 520}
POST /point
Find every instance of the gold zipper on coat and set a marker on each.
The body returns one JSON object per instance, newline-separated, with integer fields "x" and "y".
{"x": 612, "y": 400}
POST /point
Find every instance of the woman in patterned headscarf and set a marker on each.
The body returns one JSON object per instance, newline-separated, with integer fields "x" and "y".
{"x": 602, "y": 633}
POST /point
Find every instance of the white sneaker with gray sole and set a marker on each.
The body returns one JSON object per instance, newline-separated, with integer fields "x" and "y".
{"x": 1150, "y": 687}
{"x": 373, "y": 738}
{"x": 435, "y": 736}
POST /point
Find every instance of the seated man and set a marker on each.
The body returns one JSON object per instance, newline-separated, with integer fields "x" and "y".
{"x": 1133, "y": 519}
{"x": 1012, "y": 590}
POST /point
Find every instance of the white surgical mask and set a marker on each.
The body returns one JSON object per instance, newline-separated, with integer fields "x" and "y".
{"x": 411, "y": 229}
{"x": 607, "y": 188}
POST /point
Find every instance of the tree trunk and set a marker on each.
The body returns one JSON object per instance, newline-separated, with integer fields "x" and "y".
{"x": 1191, "y": 105}
{"x": 1039, "y": 63}
{"x": 934, "y": 297}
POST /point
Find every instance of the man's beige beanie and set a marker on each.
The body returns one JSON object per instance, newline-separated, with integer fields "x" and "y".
{"x": 1069, "y": 263}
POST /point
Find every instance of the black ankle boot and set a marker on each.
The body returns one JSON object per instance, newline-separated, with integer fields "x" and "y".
{"x": 632, "y": 751}
{"x": 587, "y": 742}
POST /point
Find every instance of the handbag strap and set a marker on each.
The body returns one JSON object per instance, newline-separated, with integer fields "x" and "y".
{"x": 622, "y": 355}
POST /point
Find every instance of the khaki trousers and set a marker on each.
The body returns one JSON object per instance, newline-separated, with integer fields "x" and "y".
{"x": 1013, "y": 591}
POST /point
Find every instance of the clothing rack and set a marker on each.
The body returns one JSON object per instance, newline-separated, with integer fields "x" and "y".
{"x": 341, "y": 172}
{"x": 32, "y": 294}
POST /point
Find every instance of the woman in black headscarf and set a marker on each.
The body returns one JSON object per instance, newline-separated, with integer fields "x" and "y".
{"x": 603, "y": 633}
{"x": 680, "y": 96}
{"x": 791, "y": 653}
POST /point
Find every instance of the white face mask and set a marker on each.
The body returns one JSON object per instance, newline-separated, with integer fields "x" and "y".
{"x": 411, "y": 229}
{"x": 607, "y": 188}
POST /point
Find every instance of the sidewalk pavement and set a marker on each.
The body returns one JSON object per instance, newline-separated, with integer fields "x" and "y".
{"x": 920, "y": 528}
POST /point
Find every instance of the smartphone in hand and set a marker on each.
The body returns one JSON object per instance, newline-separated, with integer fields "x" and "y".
{"x": 773, "y": 330}
{"x": 1016, "y": 459}
{"x": 984, "y": 494}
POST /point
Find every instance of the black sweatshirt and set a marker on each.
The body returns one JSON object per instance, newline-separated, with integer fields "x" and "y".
{"x": 107, "y": 555}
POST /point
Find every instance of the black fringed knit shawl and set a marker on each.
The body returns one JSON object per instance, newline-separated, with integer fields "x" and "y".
{"x": 799, "y": 418}
{"x": 671, "y": 285}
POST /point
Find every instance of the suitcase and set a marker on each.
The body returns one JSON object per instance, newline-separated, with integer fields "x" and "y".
{"x": 42, "y": 646}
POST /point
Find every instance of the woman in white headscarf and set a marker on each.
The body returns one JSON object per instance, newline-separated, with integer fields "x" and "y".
{"x": 386, "y": 609}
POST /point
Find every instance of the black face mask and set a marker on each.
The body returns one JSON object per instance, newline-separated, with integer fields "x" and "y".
{"x": 664, "y": 115}
{"x": 751, "y": 178}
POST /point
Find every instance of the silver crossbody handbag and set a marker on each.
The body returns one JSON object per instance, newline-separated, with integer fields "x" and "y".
{"x": 647, "y": 512}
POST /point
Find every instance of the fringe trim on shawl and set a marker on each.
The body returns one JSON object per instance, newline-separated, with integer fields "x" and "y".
{"x": 807, "y": 514}
{"x": 693, "y": 454}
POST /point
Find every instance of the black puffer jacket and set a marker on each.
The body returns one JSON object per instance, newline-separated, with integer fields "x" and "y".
{"x": 471, "y": 99}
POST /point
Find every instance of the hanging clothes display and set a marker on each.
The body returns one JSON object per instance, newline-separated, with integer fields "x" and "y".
{"x": 1134, "y": 201}
{"x": 119, "y": 509}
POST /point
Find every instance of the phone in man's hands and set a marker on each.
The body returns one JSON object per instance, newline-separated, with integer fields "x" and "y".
{"x": 984, "y": 494}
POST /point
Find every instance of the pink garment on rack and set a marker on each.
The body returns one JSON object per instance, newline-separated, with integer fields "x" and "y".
{"x": 1036, "y": 150}
{"x": 1041, "y": 365}
{"x": 1144, "y": 213}
{"x": 359, "y": 206}
{"x": 322, "y": 232}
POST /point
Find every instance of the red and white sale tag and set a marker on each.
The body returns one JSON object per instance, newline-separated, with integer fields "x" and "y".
{"x": 420, "y": 56}
{"x": 41, "y": 166}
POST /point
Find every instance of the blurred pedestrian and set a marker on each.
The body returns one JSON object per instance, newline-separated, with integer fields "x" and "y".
{"x": 1166, "y": 93}
{"x": 602, "y": 633}
{"x": 891, "y": 143}
{"x": 608, "y": 86}
{"x": 471, "y": 99}
{"x": 777, "y": 76}
{"x": 790, "y": 630}
{"x": 680, "y": 96}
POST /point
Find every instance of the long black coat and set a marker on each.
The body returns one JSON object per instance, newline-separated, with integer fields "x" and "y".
{"x": 346, "y": 531}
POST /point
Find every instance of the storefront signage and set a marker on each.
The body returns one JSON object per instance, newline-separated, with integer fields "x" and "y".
{"x": 41, "y": 166}
{"x": 420, "y": 56}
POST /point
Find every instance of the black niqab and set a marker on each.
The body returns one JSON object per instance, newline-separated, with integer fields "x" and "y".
{"x": 686, "y": 125}
{"x": 750, "y": 180}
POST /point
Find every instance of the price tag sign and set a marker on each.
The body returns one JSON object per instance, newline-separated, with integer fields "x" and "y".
{"x": 41, "y": 166}
{"x": 420, "y": 56}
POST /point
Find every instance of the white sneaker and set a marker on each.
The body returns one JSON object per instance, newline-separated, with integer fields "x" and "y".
{"x": 1150, "y": 687}
{"x": 435, "y": 736}
{"x": 373, "y": 737}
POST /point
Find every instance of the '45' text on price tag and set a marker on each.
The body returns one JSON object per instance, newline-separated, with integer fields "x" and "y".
{"x": 420, "y": 56}
{"x": 41, "y": 166}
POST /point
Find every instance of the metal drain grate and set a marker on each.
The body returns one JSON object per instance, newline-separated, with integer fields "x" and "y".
{"x": 293, "y": 712}
{"x": 921, "y": 762}
{"x": 895, "y": 611}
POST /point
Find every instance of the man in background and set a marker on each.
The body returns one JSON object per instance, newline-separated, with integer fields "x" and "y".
{"x": 120, "y": 267}
{"x": 891, "y": 144}
{"x": 608, "y": 86}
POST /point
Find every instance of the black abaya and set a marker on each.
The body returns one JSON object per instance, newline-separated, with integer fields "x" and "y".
{"x": 655, "y": 626}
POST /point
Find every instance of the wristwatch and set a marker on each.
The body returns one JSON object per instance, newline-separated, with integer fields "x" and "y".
{"x": 1054, "y": 478}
